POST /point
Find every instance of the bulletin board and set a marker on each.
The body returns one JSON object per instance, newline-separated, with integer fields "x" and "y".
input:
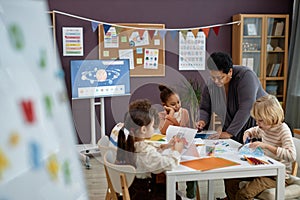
{"x": 144, "y": 47}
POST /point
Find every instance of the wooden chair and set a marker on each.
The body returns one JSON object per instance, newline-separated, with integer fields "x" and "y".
{"x": 119, "y": 177}
{"x": 215, "y": 122}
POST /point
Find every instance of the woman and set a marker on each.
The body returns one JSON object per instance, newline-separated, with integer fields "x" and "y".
{"x": 230, "y": 94}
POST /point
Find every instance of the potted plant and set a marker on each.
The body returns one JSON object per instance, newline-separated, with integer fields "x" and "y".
{"x": 190, "y": 95}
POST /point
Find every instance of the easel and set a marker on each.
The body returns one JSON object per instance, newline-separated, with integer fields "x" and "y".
{"x": 92, "y": 148}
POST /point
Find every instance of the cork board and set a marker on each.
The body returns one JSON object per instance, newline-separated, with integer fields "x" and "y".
{"x": 140, "y": 43}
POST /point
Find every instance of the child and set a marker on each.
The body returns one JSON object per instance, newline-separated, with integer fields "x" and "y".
{"x": 148, "y": 161}
{"x": 175, "y": 115}
{"x": 276, "y": 141}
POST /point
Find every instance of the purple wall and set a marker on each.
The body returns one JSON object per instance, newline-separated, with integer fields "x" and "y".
{"x": 172, "y": 13}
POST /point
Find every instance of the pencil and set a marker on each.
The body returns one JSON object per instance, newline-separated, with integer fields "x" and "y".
{"x": 249, "y": 161}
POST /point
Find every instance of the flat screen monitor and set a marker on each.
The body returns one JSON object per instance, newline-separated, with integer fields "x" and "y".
{"x": 99, "y": 78}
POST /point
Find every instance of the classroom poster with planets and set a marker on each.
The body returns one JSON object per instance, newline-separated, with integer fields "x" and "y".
{"x": 38, "y": 157}
{"x": 100, "y": 78}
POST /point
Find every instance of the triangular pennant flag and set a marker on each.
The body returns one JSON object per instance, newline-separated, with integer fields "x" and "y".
{"x": 195, "y": 32}
{"x": 106, "y": 27}
{"x": 216, "y": 30}
{"x": 141, "y": 32}
{"x": 118, "y": 29}
{"x": 184, "y": 33}
{"x": 174, "y": 34}
{"x": 206, "y": 31}
{"x": 151, "y": 33}
{"x": 162, "y": 33}
{"x": 95, "y": 25}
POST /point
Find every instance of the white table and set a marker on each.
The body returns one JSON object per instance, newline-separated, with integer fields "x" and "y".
{"x": 183, "y": 173}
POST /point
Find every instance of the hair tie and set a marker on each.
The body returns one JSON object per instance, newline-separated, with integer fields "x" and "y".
{"x": 132, "y": 130}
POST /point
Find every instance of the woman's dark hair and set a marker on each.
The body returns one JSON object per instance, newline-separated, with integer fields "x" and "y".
{"x": 140, "y": 114}
{"x": 165, "y": 93}
{"x": 219, "y": 61}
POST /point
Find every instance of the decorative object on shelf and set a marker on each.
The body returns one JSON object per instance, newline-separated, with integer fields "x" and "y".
{"x": 278, "y": 49}
{"x": 269, "y": 47}
{"x": 272, "y": 88}
{"x": 251, "y": 29}
{"x": 247, "y": 46}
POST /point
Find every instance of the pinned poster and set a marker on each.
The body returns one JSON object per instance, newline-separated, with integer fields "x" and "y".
{"x": 151, "y": 58}
{"x": 38, "y": 157}
{"x": 111, "y": 38}
{"x": 192, "y": 51}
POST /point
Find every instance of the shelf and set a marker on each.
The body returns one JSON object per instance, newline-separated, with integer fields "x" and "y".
{"x": 275, "y": 78}
{"x": 252, "y": 36}
{"x": 266, "y": 47}
{"x": 276, "y": 51}
{"x": 251, "y": 51}
{"x": 276, "y": 37}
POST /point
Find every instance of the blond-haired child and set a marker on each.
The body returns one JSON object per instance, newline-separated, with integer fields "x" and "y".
{"x": 276, "y": 141}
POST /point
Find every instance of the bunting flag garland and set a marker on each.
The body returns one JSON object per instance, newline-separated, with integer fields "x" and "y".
{"x": 184, "y": 33}
{"x": 216, "y": 29}
{"x": 195, "y": 32}
{"x": 174, "y": 34}
{"x": 162, "y": 32}
{"x": 141, "y": 32}
{"x": 118, "y": 29}
{"x": 206, "y": 31}
{"x": 151, "y": 33}
{"x": 94, "y": 25}
{"x": 106, "y": 27}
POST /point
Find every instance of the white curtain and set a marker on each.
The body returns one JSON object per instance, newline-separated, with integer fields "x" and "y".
{"x": 292, "y": 111}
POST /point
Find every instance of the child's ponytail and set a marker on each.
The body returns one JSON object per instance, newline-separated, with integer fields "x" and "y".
{"x": 120, "y": 159}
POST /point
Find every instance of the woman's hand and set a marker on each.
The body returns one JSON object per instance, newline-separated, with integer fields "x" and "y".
{"x": 225, "y": 135}
{"x": 200, "y": 125}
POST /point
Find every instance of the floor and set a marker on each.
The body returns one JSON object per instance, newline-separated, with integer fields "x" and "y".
{"x": 97, "y": 185}
{"x": 95, "y": 179}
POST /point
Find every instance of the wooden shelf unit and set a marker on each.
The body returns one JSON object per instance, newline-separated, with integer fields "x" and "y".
{"x": 260, "y": 41}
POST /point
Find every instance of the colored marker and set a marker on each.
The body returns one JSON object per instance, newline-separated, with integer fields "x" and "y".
{"x": 270, "y": 161}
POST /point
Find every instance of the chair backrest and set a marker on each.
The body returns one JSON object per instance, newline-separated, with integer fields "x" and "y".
{"x": 119, "y": 175}
{"x": 104, "y": 145}
{"x": 296, "y": 164}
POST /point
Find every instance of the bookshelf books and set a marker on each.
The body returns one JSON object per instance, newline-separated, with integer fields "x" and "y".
{"x": 278, "y": 28}
{"x": 248, "y": 62}
{"x": 274, "y": 69}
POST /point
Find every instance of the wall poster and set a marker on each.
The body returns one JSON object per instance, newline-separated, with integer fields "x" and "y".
{"x": 192, "y": 51}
